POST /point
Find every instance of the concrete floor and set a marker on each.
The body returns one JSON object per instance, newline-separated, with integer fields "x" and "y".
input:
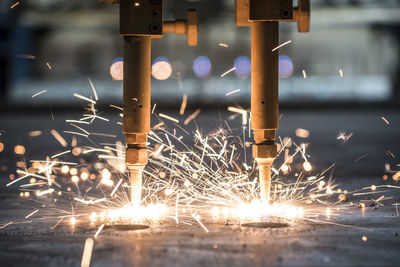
{"x": 336, "y": 241}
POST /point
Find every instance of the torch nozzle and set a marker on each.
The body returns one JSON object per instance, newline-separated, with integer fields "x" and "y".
{"x": 265, "y": 181}
{"x": 135, "y": 179}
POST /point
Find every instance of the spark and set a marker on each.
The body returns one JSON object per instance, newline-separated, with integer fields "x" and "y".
{"x": 303, "y": 133}
{"x": 361, "y": 157}
{"x": 51, "y": 113}
{"x": 30, "y": 214}
{"x": 154, "y": 107}
{"x": 75, "y": 121}
{"x": 45, "y": 192}
{"x": 14, "y": 5}
{"x": 232, "y": 92}
{"x": 99, "y": 230}
{"x": 342, "y": 136}
{"x": 281, "y": 45}
{"x": 48, "y": 65}
{"x": 364, "y": 238}
{"x": 5, "y": 225}
{"x": 197, "y": 218}
{"x": 58, "y": 222}
{"x": 223, "y": 45}
{"x": 71, "y": 132}
{"x": 116, "y": 187}
{"x": 80, "y": 128}
{"x": 117, "y": 107}
{"x": 85, "y": 98}
{"x": 341, "y": 73}
{"x": 103, "y": 134}
{"x": 26, "y": 56}
{"x": 60, "y": 154}
{"x": 192, "y": 117}
{"x": 35, "y": 133}
{"x": 391, "y": 154}
{"x": 168, "y": 117}
{"x": 385, "y": 120}
{"x": 39, "y": 93}
{"x": 87, "y": 252}
{"x": 91, "y": 201}
{"x": 183, "y": 105}
{"x": 228, "y": 71}
{"x": 59, "y": 138}
{"x": 93, "y": 89}
{"x": 240, "y": 111}
{"x": 304, "y": 74}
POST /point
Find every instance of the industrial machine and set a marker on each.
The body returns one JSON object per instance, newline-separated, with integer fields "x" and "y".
{"x": 263, "y": 16}
{"x": 141, "y": 21}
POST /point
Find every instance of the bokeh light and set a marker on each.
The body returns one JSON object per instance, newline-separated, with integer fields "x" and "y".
{"x": 285, "y": 66}
{"x": 202, "y": 67}
{"x": 117, "y": 69}
{"x": 242, "y": 66}
{"x": 161, "y": 69}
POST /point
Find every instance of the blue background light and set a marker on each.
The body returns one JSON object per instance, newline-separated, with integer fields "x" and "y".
{"x": 243, "y": 66}
{"x": 285, "y": 66}
{"x": 202, "y": 66}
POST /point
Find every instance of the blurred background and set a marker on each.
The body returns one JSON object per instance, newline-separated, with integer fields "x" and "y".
{"x": 351, "y": 54}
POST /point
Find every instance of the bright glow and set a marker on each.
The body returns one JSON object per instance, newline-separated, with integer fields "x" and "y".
{"x": 242, "y": 66}
{"x": 73, "y": 171}
{"x": 202, "y": 67}
{"x": 302, "y": 133}
{"x": 187, "y": 183}
{"x": 161, "y": 69}
{"x": 168, "y": 191}
{"x": 215, "y": 211}
{"x": 285, "y": 66}
{"x": 84, "y": 175}
{"x": 136, "y": 213}
{"x": 285, "y": 168}
{"x": 373, "y": 187}
{"x": 75, "y": 179}
{"x": 307, "y": 166}
{"x": 65, "y": 169}
{"x": 93, "y": 217}
{"x": 117, "y": 69}
{"x": 257, "y": 210}
{"x": 73, "y": 220}
{"x": 328, "y": 212}
{"x": 19, "y": 150}
{"x": 106, "y": 174}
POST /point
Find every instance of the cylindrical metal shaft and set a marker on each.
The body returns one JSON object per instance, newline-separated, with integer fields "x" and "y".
{"x": 137, "y": 84}
{"x": 264, "y": 98}
{"x": 137, "y": 101}
{"x": 264, "y": 75}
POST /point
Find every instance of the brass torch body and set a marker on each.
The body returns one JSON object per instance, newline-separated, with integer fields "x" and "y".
{"x": 264, "y": 98}
{"x": 136, "y": 103}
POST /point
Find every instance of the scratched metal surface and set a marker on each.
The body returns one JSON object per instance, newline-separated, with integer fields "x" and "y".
{"x": 304, "y": 243}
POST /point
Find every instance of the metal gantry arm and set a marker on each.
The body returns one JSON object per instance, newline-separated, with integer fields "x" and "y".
{"x": 141, "y": 21}
{"x": 263, "y": 16}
